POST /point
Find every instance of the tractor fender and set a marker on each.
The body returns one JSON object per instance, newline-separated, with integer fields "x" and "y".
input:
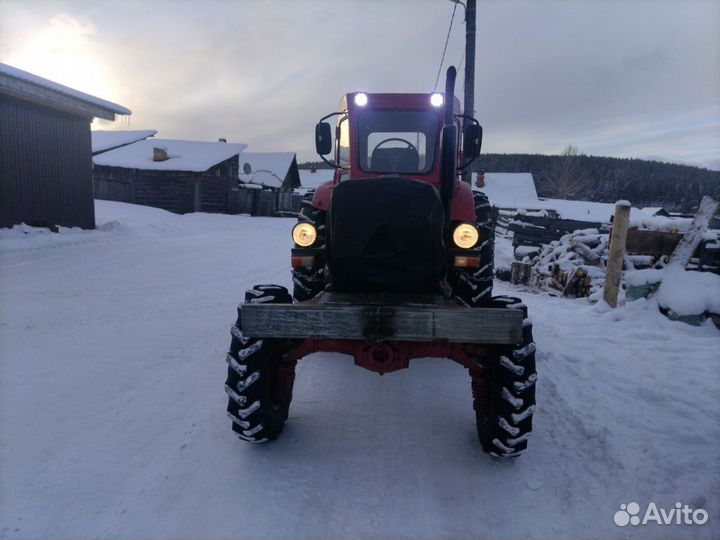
{"x": 463, "y": 204}
{"x": 323, "y": 194}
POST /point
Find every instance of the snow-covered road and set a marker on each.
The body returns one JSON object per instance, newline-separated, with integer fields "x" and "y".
{"x": 112, "y": 410}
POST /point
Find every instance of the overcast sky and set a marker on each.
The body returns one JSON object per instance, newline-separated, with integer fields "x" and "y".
{"x": 616, "y": 78}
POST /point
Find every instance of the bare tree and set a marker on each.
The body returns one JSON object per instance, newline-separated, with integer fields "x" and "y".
{"x": 566, "y": 178}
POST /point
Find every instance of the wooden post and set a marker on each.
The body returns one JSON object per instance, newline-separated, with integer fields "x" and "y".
{"x": 469, "y": 105}
{"x": 616, "y": 253}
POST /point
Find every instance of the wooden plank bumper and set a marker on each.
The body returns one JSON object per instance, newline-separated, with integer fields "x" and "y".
{"x": 398, "y": 318}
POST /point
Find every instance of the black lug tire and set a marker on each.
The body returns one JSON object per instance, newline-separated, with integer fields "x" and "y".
{"x": 257, "y": 413}
{"x": 506, "y": 423}
{"x": 309, "y": 282}
{"x": 473, "y": 287}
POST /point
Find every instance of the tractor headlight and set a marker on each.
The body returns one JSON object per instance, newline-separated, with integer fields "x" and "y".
{"x": 361, "y": 99}
{"x": 437, "y": 100}
{"x": 465, "y": 235}
{"x": 304, "y": 234}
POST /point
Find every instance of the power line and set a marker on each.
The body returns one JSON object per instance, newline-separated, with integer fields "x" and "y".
{"x": 447, "y": 39}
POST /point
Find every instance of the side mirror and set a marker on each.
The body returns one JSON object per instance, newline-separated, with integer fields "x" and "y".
{"x": 472, "y": 141}
{"x": 323, "y": 138}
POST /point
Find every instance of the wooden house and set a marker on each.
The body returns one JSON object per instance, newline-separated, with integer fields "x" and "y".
{"x": 176, "y": 175}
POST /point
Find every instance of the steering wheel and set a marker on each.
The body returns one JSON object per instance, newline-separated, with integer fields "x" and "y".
{"x": 395, "y": 161}
{"x": 410, "y": 145}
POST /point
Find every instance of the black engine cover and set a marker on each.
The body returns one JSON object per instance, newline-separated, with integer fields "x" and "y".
{"x": 385, "y": 235}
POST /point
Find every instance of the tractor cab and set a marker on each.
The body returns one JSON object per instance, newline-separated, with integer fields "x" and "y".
{"x": 377, "y": 135}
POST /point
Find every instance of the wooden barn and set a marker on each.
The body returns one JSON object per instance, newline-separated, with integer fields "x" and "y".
{"x": 45, "y": 151}
{"x": 179, "y": 176}
{"x": 273, "y": 170}
{"x": 267, "y": 181}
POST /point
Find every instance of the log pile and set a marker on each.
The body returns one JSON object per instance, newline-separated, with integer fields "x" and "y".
{"x": 538, "y": 230}
{"x": 574, "y": 265}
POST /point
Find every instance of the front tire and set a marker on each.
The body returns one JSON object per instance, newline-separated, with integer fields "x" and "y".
{"x": 504, "y": 405}
{"x": 260, "y": 380}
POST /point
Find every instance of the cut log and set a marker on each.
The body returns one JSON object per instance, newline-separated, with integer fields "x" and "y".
{"x": 520, "y": 273}
{"x": 574, "y": 282}
{"x": 585, "y": 252}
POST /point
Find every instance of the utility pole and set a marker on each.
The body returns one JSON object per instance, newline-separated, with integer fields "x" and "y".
{"x": 469, "y": 72}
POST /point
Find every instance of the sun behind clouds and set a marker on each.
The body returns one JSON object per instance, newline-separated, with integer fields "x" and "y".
{"x": 63, "y": 50}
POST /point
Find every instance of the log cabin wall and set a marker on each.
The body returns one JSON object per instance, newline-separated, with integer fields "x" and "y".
{"x": 176, "y": 191}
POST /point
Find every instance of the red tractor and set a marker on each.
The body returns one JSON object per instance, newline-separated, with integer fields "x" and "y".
{"x": 393, "y": 260}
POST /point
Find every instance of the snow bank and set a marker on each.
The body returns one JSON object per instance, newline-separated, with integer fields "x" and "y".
{"x": 112, "y": 219}
{"x": 689, "y": 293}
{"x": 638, "y": 278}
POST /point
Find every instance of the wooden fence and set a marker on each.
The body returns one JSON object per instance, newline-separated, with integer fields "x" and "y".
{"x": 265, "y": 202}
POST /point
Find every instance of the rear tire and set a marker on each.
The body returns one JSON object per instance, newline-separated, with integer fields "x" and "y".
{"x": 473, "y": 288}
{"x": 309, "y": 282}
{"x": 504, "y": 422}
{"x": 260, "y": 380}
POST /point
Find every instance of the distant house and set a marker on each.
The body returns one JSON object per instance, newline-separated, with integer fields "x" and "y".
{"x": 179, "y": 176}
{"x": 312, "y": 178}
{"x": 45, "y": 151}
{"x": 655, "y": 211}
{"x": 102, "y": 140}
{"x": 274, "y": 170}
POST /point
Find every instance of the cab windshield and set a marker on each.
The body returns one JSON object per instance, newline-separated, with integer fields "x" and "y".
{"x": 397, "y": 141}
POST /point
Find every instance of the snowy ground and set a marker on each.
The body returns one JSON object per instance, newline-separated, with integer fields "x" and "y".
{"x": 112, "y": 419}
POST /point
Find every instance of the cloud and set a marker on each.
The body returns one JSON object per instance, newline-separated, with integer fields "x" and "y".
{"x": 611, "y": 77}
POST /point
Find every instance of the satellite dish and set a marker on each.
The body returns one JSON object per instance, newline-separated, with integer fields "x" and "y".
{"x": 247, "y": 169}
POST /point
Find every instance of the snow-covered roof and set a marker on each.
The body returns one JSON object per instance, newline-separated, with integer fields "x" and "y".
{"x": 23, "y": 84}
{"x": 517, "y": 190}
{"x": 585, "y": 210}
{"x": 309, "y": 179}
{"x": 509, "y": 190}
{"x": 106, "y": 140}
{"x": 195, "y": 156}
{"x": 652, "y": 210}
{"x": 268, "y": 169}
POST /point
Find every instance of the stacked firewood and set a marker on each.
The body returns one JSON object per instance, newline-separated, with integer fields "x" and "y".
{"x": 572, "y": 266}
